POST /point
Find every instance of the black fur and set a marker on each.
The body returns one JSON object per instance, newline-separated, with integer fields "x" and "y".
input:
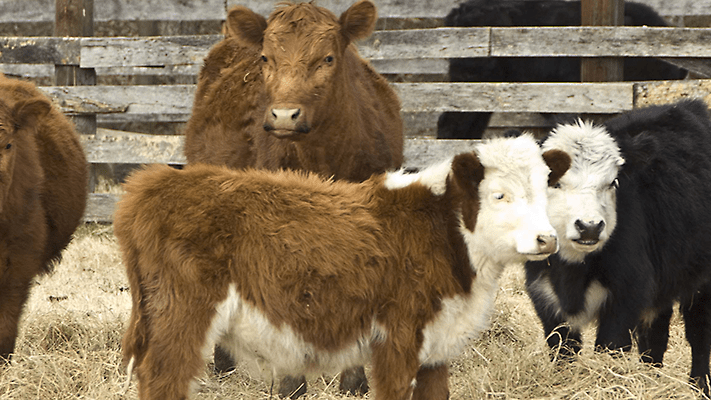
{"x": 456, "y": 125}
{"x": 660, "y": 250}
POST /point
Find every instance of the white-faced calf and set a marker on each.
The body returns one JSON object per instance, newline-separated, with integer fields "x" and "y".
{"x": 635, "y": 234}
{"x": 311, "y": 275}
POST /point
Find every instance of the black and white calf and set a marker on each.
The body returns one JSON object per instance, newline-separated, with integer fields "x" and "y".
{"x": 633, "y": 215}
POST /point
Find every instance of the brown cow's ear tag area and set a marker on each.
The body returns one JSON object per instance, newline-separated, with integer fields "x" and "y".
{"x": 26, "y": 113}
{"x": 559, "y": 163}
{"x": 358, "y": 22}
{"x": 246, "y": 26}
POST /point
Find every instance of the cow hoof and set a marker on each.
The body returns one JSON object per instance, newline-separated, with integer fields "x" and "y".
{"x": 353, "y": 381}
{"x": 223, "y": 361}
{"x": 292, "y": 387}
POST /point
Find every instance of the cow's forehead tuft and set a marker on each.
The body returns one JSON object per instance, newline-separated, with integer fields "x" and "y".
{"x": 522, "y": 151}
{"x": 585, "y": 143}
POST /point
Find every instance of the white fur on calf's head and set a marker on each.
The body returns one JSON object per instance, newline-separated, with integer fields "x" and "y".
{"x": 582, "y": 206}
{"x": 512, "y": 225}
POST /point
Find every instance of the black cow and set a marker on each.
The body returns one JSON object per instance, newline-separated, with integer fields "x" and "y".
{"x": 457, "y": 125}
{"x": 634, "y": 224}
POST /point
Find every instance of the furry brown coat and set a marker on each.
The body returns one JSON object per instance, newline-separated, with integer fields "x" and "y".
{"x": 43, "y": 179}
{"x": 292, "y": 92}
{"x": 310, "y": 275}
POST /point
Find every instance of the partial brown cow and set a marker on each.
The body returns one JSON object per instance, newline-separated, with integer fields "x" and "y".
{"x": 292, "y": 92}
{"x": 43, "y": 179}
{"x": 304, "y": 274}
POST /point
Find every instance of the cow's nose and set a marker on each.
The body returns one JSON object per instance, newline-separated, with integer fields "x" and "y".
{"x": 547, "y": 244}
{"x": 589, "y": 230}
{"x": 288, "y": 114}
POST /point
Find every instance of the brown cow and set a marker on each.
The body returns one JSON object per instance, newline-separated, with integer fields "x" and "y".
{"x": 304, "y": 274}
{"x": 43, "y": 179}
{"x": 292, "y": 92}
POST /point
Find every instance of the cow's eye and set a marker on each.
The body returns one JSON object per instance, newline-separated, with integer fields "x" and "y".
{"x": 264, "y": 58}
{"x": 328, "y": 59}
{"x": 8, "y": 146}
{"x": 557, "y": 185}
{"x": 499, "y": 196}
{"x": 615, "y": 184}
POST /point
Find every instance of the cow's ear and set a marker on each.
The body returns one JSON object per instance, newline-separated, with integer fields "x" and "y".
{"x": 26, "y": 113}
{"x": 246, "y": 26}
{"x": 358, "y": 21}
{"x": 559, "y": 162}
{"x": 467, "y": 172}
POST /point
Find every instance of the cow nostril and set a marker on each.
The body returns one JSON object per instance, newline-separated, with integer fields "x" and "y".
{"x": 296, "y": 114}
{"x": 589, "y": 229}
{"x": 546, "y": 243}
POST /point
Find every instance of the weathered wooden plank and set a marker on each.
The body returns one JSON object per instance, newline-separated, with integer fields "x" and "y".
{"x": 601, "y": 42}
{"x": 100, "y": 207}
{"x": 124, "y": 10}
{"x": 146, "y": 51}
{"x": 133, "y": 148}
{"x": 174, "y": 102}
{"x": 435, "y": 43}
{"x": 129, "y": 100}
{"x": 516, "y": 97}
{"x": 40, "y": 50}
{"x": 426, "y": 43}
{"x": 648, "y": 93}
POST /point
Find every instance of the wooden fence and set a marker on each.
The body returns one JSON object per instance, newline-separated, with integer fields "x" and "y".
{"x": 394, "y": 52}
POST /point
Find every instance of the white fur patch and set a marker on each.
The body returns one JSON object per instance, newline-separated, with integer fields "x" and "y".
{"x": 245, "y": 332}
{"x": 587, "y": 191}
{"x": 595, "y": 297}
{"x": 433, "y": 177}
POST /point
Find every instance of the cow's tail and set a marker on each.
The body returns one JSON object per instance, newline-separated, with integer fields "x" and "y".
{"x": 135, "y": 339}
{"x": 129, "y": 375}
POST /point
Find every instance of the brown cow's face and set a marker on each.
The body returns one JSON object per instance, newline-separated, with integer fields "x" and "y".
{"x": 16, "y": 120}
{"x": 300, "y": 69}
{"x": 302, "y": 59}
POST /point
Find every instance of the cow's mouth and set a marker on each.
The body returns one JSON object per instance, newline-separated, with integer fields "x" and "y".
{"x": 293, "y": 134}
{"x": 586, "y": 245}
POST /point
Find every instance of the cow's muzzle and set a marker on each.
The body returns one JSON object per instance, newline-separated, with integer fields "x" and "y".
{"x": 286, "y": 122}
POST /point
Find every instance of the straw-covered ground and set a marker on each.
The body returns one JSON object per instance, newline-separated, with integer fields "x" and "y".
{"x": 69, "y": 347}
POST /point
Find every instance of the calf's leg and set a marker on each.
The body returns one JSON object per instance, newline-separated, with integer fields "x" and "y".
{"x": 652, "y": 340}
{"x": 292, "y": 387}
{"x": 697, "y": 321}
{"x": 432, "y": 383}
{"x": 13, "y": 295}
{"x": 394, "y": 369}
{"x": 353, "y": 381}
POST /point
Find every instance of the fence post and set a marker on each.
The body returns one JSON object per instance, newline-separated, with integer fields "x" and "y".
{"x": 602, "y": 13}
{"x": 76, "y": 18}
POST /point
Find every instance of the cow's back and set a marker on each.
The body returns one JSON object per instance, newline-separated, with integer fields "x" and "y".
{"x": 228, "y": 109}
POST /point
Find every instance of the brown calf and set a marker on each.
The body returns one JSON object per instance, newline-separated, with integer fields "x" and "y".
{"x": 292, "y": 92}
{"x": 43, "y": 178}
{"x": 310, "y": 275}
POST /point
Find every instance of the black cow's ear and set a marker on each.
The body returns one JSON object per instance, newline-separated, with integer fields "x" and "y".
{"x": 358, "y": 21}
{"x": 467, "y": 172}
{"x": 559, "y": 162}
{"x": 246, "y": 26}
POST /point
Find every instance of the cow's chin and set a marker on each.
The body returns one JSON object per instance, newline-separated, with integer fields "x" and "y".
{"x": 536, "y": 257}
{"x": 287, "y": 134}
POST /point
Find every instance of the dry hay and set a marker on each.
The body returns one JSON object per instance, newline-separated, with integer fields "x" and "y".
{"x": 69, "y": 347}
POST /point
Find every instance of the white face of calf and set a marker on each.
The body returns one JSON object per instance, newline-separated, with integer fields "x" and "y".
{"x": 582, "y": 206}
{"x": 512, "y": 225}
